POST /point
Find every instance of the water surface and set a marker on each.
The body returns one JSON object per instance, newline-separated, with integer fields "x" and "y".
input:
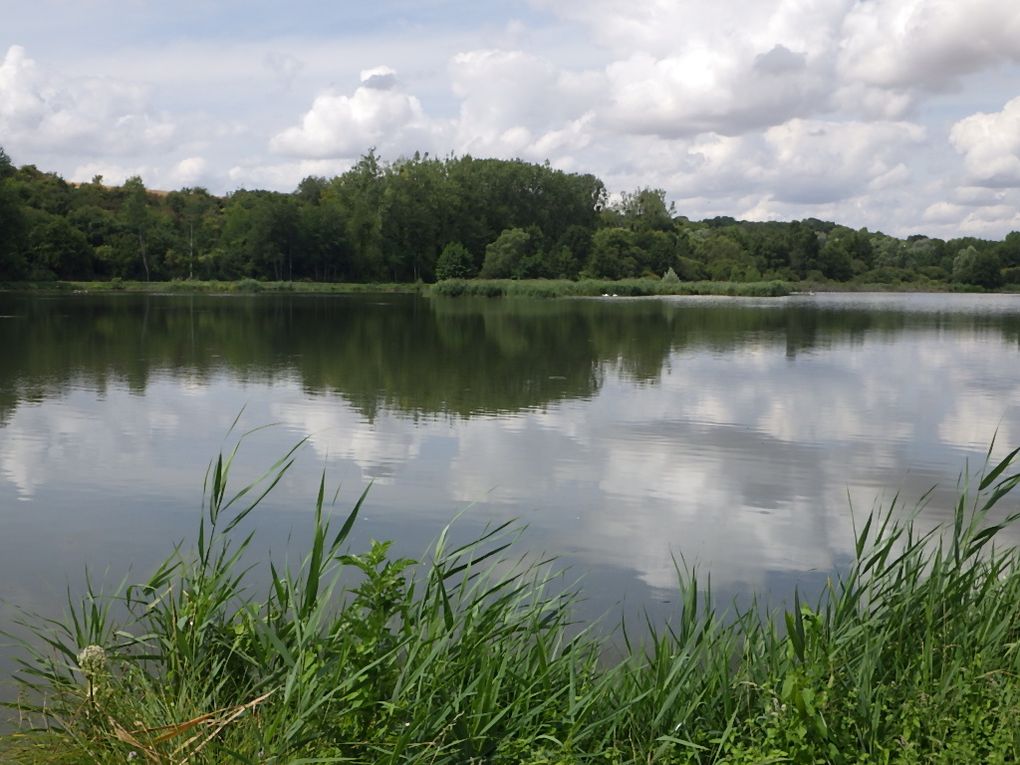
{"x": 736, "y": 432}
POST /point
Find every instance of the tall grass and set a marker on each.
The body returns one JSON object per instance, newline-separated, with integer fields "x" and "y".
{"x": 546, "y": 288}
{"x": 910, "y": 655}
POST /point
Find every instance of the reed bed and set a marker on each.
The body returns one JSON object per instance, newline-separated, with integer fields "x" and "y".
{"x": 471, "y": 656}
{"x": 548, "y": 288}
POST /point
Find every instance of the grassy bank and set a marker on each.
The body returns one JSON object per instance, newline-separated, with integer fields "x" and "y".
{"x": 213, "y": 287}
{"x": 910, "y": 656}
{"x": 532, "y": 288}
{"x": 451, "y": 288}
{"x": 595, "y": 287}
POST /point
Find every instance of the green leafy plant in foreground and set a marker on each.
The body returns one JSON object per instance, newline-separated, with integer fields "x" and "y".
{"x": 910, "y": 655}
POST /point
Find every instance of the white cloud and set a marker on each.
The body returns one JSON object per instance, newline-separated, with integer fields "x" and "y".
{"x": 709, "y": 89}
{"x": 189, "y": 171}
{"x": 41, "y": 111}
{"x": 990, "y": 144}
{"x": 798, "y": 163}
{"x": 378, "y": 114}
{"x": 951, "y": 219}
{"x": 926, "y": 43}
{"x": 113, "y": 173}
{"x": 823, "y": 161}
{"x": 256, "y": 173}
{"x": 519, "y": 105}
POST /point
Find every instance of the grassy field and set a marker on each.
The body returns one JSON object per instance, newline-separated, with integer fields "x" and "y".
{"x": 471, "y": 656}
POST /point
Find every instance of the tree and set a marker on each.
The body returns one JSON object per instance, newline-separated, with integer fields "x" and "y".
{"x": 1009, "y": 249}
{"x": 190, "y": 208}
{"x": 803, "y": 248}
{"x": 646, "y": 209}
{"x": 358, "y": 194}
{"x": 504, "y": 255}
{"x": 136, "y": 215}
{"x": 58, "y": 249}
{"x": 835, "y": 260}
{"x": 614, "y": 254}
{"x": 6, "y": 166}
{"x": 981, "y": 268}
{"x": 455, "y": 262}
{"x": 12, "y": 224}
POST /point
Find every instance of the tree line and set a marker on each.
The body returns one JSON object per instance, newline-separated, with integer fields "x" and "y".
{"x": 426, "y": 218}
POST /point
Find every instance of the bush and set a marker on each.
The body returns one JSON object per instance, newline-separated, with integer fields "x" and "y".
{"x": 455, "y": 262}
{"x": 1011, "y": 275}
{"x": 249, "y": 285}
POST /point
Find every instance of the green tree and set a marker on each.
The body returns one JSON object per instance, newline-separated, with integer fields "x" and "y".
{"x": 981, "y": 268}
{"x": 803, "y": 248}
{"x": 835, "y": 259}
{"x": 358, "y": 194}
{"x": 58, "y": 249}
{"x": 455, "y": 262}
{"x": 1009, "y": 249}
{"x": 12, "y": 224}
{"x": 504, "y": 255}
{"x": 260, "y": 235}
{"x": 137, "y": 216}
{"x": 6, "y": 166}
{"x": 614, "y": 254}
{"x": 645, "y": 210}
{"x": 415, "y": 193}
{"x": 192, "y": 211}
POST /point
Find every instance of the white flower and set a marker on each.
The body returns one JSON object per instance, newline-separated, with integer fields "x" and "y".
{"x": 92, "y": 660}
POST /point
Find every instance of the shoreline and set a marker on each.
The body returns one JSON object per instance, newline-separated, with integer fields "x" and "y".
{"x": 529, "y": 288}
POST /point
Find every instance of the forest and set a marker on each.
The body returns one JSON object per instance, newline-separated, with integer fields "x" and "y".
{"x": 426, "y": 219}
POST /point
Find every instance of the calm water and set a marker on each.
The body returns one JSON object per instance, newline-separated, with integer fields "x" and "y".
{"x": 735, "y": 432}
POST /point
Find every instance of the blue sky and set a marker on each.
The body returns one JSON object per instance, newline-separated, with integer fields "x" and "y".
{"x": 899, "y": 115}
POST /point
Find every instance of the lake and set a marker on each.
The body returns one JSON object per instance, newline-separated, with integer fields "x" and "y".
{"x": 622, "y": 432}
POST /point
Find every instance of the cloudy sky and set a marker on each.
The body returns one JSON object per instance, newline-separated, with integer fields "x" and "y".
{"x": 899, "y": 115}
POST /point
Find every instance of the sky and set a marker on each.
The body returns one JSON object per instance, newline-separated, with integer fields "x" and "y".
{"x": 898, "y": 115}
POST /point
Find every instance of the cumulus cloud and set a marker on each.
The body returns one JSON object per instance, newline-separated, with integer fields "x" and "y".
{"x": 827, "y": 161}
{"x": 990, "y": 144}
{"x": 988, "y": 218}
{"x": 112, "y": 172}
{"x": 926, "y": 43}
{"x": 514, "y": 103}
{"x": 256, "y": 173}
{"x": 704, "y": 89}
{"x": 41, "y": 111}
{"x": 190, "y": 171}
{"x": 800, "y": 162}
{"x": 378, "y": 114}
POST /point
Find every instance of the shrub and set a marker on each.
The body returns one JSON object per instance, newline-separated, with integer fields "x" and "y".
{"x": 455, "y": 262}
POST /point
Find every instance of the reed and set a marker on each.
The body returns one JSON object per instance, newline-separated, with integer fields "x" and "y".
{"x": 471, "y": 655}
{"x": 548, "y": 288}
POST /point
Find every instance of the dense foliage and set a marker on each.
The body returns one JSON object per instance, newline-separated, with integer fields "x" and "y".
{"x": 471, "y": 656}
{"x": 425, "y": 218}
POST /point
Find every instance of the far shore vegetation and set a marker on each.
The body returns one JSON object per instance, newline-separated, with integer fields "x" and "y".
{"x": 421, "y": 220}
{"x": 473, "y": 655}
